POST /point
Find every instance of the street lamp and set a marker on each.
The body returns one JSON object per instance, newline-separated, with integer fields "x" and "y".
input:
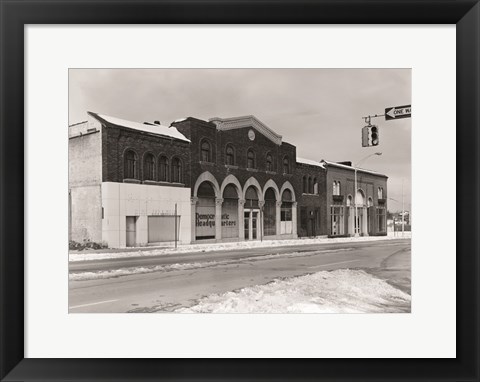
{"x": 356, "y": 227}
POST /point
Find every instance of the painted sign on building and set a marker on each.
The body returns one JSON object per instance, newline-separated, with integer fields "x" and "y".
{"x": 205, "y": 219}
{"x": 230, "y": 218}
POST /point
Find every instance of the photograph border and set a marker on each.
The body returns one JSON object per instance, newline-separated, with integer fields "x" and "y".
{"x": 15, "y": 15}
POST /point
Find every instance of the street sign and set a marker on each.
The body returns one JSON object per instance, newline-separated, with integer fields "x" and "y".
{"x": 398, "y": 112}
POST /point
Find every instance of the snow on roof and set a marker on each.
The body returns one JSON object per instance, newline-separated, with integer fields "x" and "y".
{"x": 180, "y": 120}
{"x": 352, "y": 168}
{"x": 310, "y": 162}
{"x": 150, "y": 128}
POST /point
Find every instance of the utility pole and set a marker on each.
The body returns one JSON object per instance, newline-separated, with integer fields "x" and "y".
{"x": 403, "y": 212}
{"x": 176, "y": 226}
{"x": 356, "y": 225}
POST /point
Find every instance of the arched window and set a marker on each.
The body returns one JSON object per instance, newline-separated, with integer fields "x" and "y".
{"x": 286, "y": 165}
{"x": 250, "y": 159}
{"x": 149, "y": 167}
{"x": 339, "y": 188}
{"x": 336, "y": 188}
{"x": 163, "y": 169}
{"x": 269, "y": 162}
{"x": 305, "y": 189}
{"x": 206, "y": 151}
{"x": 177, "y": 170}
{"x": 130, "y": 169}
{"x": 380, "y": 193}
{"x": 310, "y": 185}
{"x": 349, "y": 200}
{"x": 315, "y": 186}
{"x": 229, "y": 155}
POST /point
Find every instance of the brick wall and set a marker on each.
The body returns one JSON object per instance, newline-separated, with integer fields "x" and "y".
{"x": 116, "y": 141}
{"x": 367, "y": 182}
{"x": 197, "y": 130}
{"x": 310, "y": 203}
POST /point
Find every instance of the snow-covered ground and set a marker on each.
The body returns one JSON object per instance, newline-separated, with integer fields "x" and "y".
{"x": 339, "y": 291}
{"x": 83, "y": 276}
{"x": 79, "y": 256}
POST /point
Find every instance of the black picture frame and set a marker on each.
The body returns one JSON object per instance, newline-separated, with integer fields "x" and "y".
{"x": 15, "y": 14}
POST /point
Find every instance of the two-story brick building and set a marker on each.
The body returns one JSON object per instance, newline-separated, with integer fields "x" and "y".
{"x": 368, "y": 204}
{"x": 231, "y": 179}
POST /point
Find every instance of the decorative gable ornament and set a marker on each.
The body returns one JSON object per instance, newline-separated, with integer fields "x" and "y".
{"x": 224, "y": 124}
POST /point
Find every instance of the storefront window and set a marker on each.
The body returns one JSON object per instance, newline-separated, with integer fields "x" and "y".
{"x": 337, "y": 220}
{"x": 230, "y": 212}
{"x": 381, "y": 219}
{"x": 286, "y": 226}
{"x": 269, "y": 213}
{"x": 205, "y": 213}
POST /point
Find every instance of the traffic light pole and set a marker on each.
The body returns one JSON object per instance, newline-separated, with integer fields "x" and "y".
{"x": 368, "y": 118}
{"x": 356, "y": 223}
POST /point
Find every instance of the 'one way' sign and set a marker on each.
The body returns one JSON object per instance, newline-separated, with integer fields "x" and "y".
{"x": 398, "y": 112}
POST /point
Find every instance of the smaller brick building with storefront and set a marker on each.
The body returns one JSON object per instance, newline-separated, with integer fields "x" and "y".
{"x": 370, "y": 201}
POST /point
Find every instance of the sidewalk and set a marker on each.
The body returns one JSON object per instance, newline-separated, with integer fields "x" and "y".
{"x": 210, "y": 247}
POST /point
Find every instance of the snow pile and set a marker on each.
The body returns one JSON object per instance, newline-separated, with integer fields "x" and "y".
{"x": 210, "y": 247}
{"x": 83, "y": 276}
{"x": 340, "y": 291}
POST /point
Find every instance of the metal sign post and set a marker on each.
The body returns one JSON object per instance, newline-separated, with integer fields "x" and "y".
{"x": 175, "y": 225}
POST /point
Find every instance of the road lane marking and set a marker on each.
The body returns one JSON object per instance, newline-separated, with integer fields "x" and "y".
{"x": 340, "y": 262}
{"x": 93, "y": 303}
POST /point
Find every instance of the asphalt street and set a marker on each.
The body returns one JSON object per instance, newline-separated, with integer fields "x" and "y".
{"x": 216, "y": 272}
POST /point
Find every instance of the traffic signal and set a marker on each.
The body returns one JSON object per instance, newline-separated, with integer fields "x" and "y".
{"x": 370, "y": 136}
{"x": 374, "y": 138}
{"x": 365, "y": 134}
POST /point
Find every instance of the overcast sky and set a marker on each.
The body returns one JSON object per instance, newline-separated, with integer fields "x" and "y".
{"x": 318, "y": 110}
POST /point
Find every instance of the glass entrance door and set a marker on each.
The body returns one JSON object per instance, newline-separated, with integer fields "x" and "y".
{"x": 359, "y": 221}
{"x": 254, "y": 225}
{"x": 251, "y": 225}
{"x": 246, "y": 220}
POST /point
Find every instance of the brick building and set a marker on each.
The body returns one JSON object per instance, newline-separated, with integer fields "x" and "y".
{"x": 371, "y": 201}
{"x": 228, "y": 179}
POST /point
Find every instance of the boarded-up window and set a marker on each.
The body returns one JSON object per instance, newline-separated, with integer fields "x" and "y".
{"x": 162, "y": 228}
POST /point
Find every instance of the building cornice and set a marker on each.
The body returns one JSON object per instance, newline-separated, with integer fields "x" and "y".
{"x": 224, "y": 124}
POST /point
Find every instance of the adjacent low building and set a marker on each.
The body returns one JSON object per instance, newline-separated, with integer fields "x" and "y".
{"x": 226, "y": 179}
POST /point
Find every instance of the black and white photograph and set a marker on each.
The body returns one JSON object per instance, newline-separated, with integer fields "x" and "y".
{"x": 239, "y": 190}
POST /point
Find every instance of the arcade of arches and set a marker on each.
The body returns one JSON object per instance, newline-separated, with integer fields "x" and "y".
{"x": 233, "y": 212}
